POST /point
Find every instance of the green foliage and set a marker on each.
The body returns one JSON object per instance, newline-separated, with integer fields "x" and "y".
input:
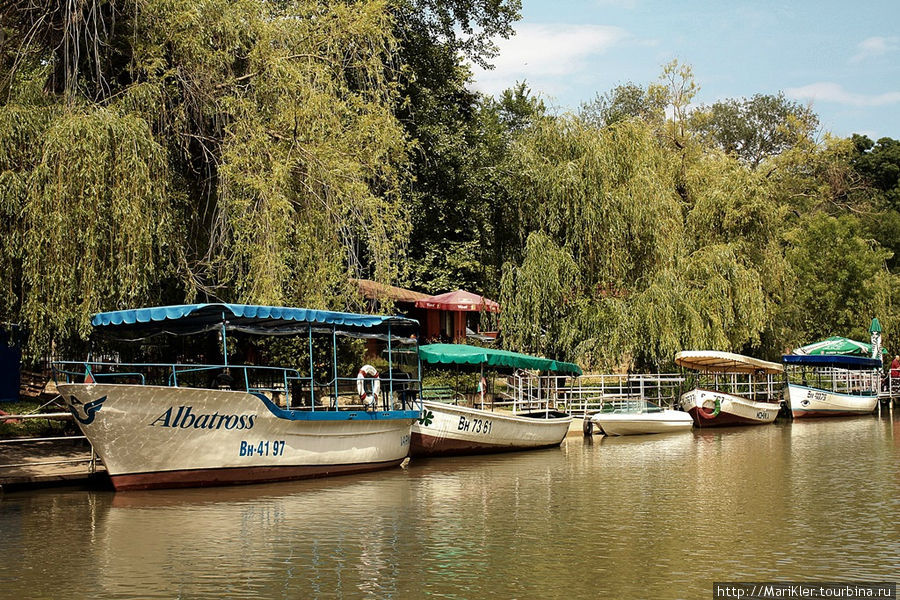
{"x": 459, "y": 236}
{"x": 96, "y": 226}
{"x": 878, "y": 164}
{"x": 33, "y": 427}
{"x": 640, "y": 246}
{"x": 708, "y": 299}
{"x": 756, "y": 128}
{"x": 455, "y": 26}
{"x": 165, "y": 149}
{"x": 161, "y": 151}
{"x": 627, "y": 101}
{"x": 605, "y": 196}
{"x": 678, "y": 80}
{"x": 539, "y": 299}
{"x": 841, "y": 280}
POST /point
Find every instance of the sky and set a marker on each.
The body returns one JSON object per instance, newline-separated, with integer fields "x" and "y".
{"x": 842, "y": 57}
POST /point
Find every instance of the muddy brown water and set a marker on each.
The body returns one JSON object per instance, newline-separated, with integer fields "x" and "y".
{"x": 636, "y": 517}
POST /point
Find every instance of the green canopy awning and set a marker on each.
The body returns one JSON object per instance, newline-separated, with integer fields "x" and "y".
{"x": 462, "y": 354}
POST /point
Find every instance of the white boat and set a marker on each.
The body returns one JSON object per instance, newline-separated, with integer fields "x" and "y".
{"x": 170, "y": 425}
{"x": 447, "y": 429}
{"x": 831, "y": 386}
{"x": 642, "y": 418}
{"x": 730, "y": 389}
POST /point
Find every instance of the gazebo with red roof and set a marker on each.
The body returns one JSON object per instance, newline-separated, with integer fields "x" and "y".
{"x": 446, "y": 314}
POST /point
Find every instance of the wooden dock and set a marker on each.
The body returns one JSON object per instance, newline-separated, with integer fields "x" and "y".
{"x": 49, "y": 462}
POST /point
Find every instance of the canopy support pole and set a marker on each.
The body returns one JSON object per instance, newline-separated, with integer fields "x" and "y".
{"x": 390, "y": 398}
{"x": 419, "y": 373}
{"x": 312, "y": 376}
{"x": 335, "y": 365}
{"x": 224, "y": 341}
{"x": 481, "y": 385}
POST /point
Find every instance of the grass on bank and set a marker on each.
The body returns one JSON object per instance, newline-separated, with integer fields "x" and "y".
{"x": 33, "y": 427}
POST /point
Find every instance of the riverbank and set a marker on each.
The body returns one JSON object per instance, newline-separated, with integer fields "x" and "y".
{"x": 40, "y": 464}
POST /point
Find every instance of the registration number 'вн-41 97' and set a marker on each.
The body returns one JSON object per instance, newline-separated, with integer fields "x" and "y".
{"x": 262, "y": 448}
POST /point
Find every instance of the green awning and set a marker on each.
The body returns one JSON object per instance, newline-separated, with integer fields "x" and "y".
{"x": 461, "y": 354}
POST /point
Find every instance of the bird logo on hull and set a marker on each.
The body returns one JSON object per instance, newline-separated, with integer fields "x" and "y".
{"x": 90, "y": 409}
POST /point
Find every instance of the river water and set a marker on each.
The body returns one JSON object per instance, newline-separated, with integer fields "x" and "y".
{"x": 635, "y": 517}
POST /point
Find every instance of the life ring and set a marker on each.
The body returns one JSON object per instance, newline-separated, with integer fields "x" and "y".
{"x": 717, "y": 408}
{"x": 368, "y": 372}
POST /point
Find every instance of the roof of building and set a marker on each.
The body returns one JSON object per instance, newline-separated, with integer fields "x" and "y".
{"x": 373, "y": 290}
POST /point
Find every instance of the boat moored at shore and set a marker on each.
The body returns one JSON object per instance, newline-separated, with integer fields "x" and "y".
{"x": 529, "y": 421}
{"x": 641, "y": 417}
{"x": 730, "y": 389}
{"x": 186, "y": 424}
{"x": 831, "y": 385}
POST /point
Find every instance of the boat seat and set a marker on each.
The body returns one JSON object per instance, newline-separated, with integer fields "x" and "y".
{"x": 442, "y": 393}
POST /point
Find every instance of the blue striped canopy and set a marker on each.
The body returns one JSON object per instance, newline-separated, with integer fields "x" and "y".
{"x": 832, "y": 360}
{"x": 190, "y": 318}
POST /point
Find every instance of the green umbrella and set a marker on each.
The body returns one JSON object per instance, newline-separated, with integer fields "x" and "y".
{"x": 875, "y": 330}
{"x": 836, "y": 345}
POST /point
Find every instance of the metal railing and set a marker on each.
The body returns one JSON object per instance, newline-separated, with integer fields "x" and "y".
{"x": 524, "y": 391}
{"x": 591, "y": 393}
{"x": 841, "y": 381}
{"x": 758, "y": 388}
{"x": 299, "y": 391}
{"x": 890, "y": 388}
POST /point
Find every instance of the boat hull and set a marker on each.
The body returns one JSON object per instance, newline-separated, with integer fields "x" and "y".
{"x": 448, "y": 430}
{"x": 806, "y": 402}
{"x": 156, "y": 436}
{"x": 710, "y": 408}
{"x": 643, "y": 423}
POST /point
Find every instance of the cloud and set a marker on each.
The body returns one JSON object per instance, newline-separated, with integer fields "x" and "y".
{"x": 873, "y": 47}
{"x": 827, "y": 91}
{"x": 546, "y": 53}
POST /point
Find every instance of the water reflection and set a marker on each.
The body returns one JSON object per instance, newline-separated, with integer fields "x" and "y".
{"x": 659, "y": 516}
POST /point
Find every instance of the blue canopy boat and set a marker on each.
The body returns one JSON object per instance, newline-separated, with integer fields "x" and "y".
{"x": 184, "y": 424}
{"x": 831, "y": 385}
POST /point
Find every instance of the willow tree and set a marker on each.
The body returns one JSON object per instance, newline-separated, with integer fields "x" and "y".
{"x": 234, "y": 150}
{"x": 540, "y": 299}
{"x": 674, "y": 248}
{"x": 605, "y": 197}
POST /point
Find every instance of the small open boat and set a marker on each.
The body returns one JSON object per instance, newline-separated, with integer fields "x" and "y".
{"x": 831, "y": 386}
{"x": 529, "y": 422}
{"x": 638, "y": 417}
{"x": 730, "y": 389}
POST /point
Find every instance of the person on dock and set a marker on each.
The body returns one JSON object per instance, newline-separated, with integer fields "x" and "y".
{"x": 894, "y": 383}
